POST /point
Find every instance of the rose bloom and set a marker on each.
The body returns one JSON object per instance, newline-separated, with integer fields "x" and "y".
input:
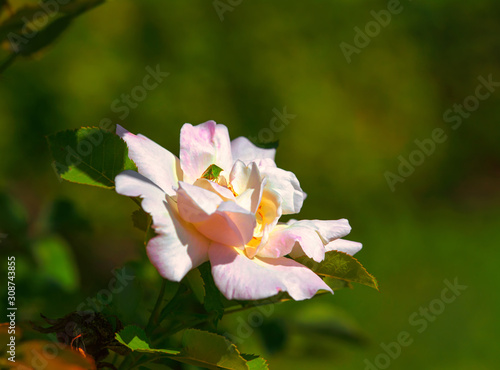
{"x": 229, "y": 217}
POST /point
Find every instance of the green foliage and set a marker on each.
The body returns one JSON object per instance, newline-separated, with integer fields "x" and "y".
{"x": 135, "y": 338}
{"x": 196, "y": 284}
{"x": 213, "y": 302}
{"x": 211, "y": 351}
{"x": 24, "y": 34}
{"x": 56, "y": 262}
{"x": 340, "y": 265}
{"x": 337, "y": 284}
{"x": 44, "y": 37}
{"x": 89, "y": 156}
{"x": 255, "y": 362}
{"x": 353, "y": 121}
{"x": 199, "y": 348}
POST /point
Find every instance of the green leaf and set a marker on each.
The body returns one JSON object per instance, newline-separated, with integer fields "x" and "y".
{"x": 56, "y": 262}
{"x": 44, "y": 37}
{"x": 340, "y": 265}
{"x": 213, "y": 302}
{"x": 89, "y": 156}
{"x": 212, "y": 172}
{"x": 15, "y": 23}
{"x": 337, "y": 284}
{"x": 15, "y": 29}
{"x": 210, "y": 351}
{"x": 196, "y": 284}
{"x": 255, "y": 362}
{"x": 135, "y": 338}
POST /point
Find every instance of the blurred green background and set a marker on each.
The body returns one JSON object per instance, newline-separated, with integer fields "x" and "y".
{"x": 353, "y": 120}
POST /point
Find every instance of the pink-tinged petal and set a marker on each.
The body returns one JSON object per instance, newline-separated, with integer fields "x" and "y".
{"x": 229, "y": 225}
{"x": 239, "y": 277}
{"x": 285, "y": 183}
{"x": 133, "y": 184}
{"x": 306, "y": 237}
{"x": 301, "y": 283}
{"x": 243, "y": 177}
{"x": 345, "y": 246}
{"x": 247, "y": 183}
{"x": 328, "y": 230}
{"x": 202, "y": 146}
{"x": 152, "y": 160}
{"x": 220, "y": 190}
{"x": 196, "y": 204}
{"x": 223, "y": 222}
{"x": 245, "y": 151}
{"x": 265, "y": 162}
{"x": 286, "y": 239}
{"x": 178, "y": 248}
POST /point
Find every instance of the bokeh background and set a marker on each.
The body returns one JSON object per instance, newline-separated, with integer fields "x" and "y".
{"x": 352, "y": 122}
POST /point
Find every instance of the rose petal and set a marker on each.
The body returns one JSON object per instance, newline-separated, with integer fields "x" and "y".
{"x": 196, "y": 204}
{"x": 224, "y": 222}
{"x": 328, "y": 230}
{"x": 133, "y": 184}
{"x": 220, "y": 190}
{"x": 152, "y": 160}
{"x": 202, "y": 146}
{"x": 178, "y": 247}
{"x": 247, "y": 183}
{"x": 285, "y": 183}
{"x": 265, "y": 162}
{"x": 303, "y": 240}
{"x": 268, "y": 214}
{"x": 243, "y": 177}
{"x": 345, "y": 246}
{"x": 305, "y": 237}
{"x": 229, "y": 225}
{"x": 244, "y": 150}
{"x": 239, "y": 277}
